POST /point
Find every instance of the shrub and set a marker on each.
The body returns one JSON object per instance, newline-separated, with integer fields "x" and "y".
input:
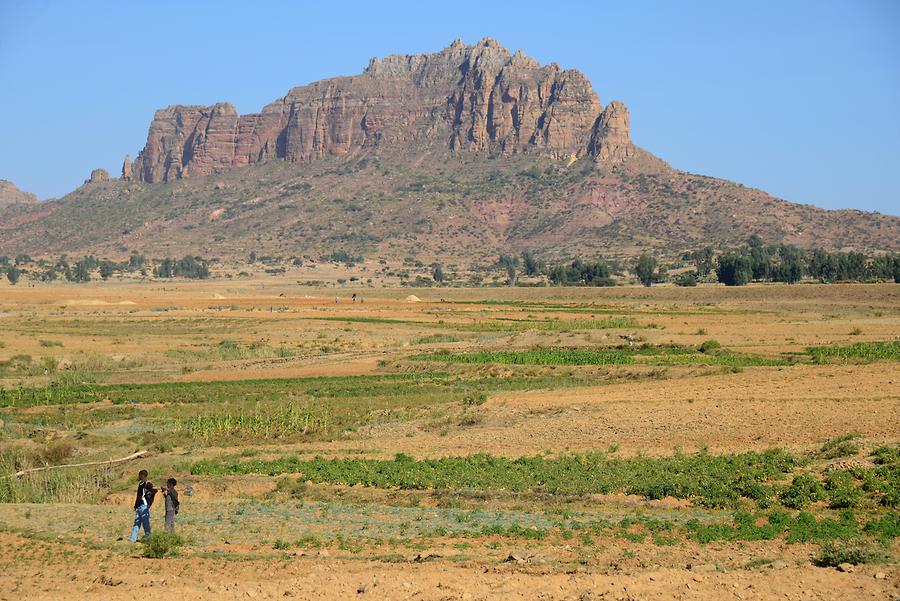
{"x": 842, "y": 446}
{"x": 804, "y": 489}
{"x": 294, "y": 487}
{"x": 686, "y": 279}
{"x": 474, "y": 398}
{"x": 57, "y": 452}
{"x": 842, "y": 492}
{"x": 162, "y": 544}
{"x": 709, "y": 345}
{"x": 834, "y": 553}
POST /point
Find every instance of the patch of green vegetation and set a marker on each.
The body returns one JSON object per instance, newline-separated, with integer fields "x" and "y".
{"x": 540, "y": 356}
{"x": 436, "y": 338}
{"x": 867, "y": 351}
{"x": 842, "y": 491}
{"x": 709, "y": 480}
{"x": 272, "y": 389}
{"x": 49, "y": 343}
{"x": 841, "y": 446}
{"x": 623, "y": 355}
{"x": 806, "y": 528}
{"x": 274, "y": 422}
{"x": 231, "y": 350}
{"x": 803, "y": 490}
{"x": 709, "y": 346}
{"x": 76, "y": 485}
{"x": 855, "y": 552}
{"x": 162, "y": 544}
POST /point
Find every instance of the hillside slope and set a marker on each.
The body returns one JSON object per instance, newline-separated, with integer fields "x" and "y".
{"x": 459, "y": 154}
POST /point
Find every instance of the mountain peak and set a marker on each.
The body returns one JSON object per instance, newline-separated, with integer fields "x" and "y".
{"x": 478, "y": 98}
{"x": 11, "y": 194}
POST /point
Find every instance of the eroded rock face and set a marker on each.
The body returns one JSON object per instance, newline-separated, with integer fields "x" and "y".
{"x": 126, "y": 169}
{"x": 611, "y": 138}
{"x": 11, "y": 194}
{"x": 97, "y": 176}
{"x": 468, "y": 98}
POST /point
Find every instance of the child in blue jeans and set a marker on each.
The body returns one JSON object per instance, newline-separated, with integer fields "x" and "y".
{"x": 142, "y": 503}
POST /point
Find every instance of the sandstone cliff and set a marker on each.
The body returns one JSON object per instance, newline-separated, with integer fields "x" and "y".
{"x": 10, "y": 194}
{"x": 466, "y": 98}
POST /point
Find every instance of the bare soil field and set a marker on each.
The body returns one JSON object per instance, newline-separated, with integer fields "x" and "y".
{"x": 493, "y": 443}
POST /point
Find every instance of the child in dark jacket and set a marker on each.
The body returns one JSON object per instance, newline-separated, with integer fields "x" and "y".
{"x": 172, "y": 503}
{"x": 142, "y": 503}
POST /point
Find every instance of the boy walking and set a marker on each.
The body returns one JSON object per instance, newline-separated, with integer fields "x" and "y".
{"x": 142, "y": 502}
{"x": 171, "y": 503}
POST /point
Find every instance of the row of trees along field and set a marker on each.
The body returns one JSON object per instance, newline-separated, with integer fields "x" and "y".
{"x": 786, "y": 263}
{"x": 88, "y": 267}
{"x": 754, "y": 261}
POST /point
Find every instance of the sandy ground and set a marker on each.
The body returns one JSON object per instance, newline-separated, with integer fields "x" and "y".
{"x": 317, "y": 578}
{"x": 796, "y": 407}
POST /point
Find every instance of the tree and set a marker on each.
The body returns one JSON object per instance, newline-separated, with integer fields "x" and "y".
{"x": 511, "y": 275}
{"x": 790, "y": 264}
{"x": 703, "y": 260}
{"x": 136, "y": 261}
{"x": 82, "y": 271}
{"x": 13, "y": 274}
{"x": 734, "y": 269}
{"x": 437, "y": 273}
{"x": 507, "y": 261}
{"x": 760, "y": 261}
{"x": 530, "y": 263}
{"x": 106, "y": 269}
{"x": 579, "y": 273}
{"x": 645, "y": 268}
{"x": 557, "y": 275}
{"x": 252, "y": 257}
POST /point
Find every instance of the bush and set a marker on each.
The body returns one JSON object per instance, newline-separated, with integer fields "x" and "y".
{"x": 686, "y": 279}
{"x": 834, "y": 553}
{"x": 293, "y": 487}
{"x": 804, "y": 489}
{"x": 162, "y": 544}
{"x": 842, "y": 446}
{"x": 57, "y": 452}
{"x": 842, "y": 491}
{"x": 709, "y": 345}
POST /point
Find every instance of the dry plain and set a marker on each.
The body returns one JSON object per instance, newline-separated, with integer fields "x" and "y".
{"x": 523, "y": 443}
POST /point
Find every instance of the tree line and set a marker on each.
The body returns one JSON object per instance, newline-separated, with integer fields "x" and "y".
{"x": 787, "y": 263}
{"x": 754, "y": 261}
{"x": 89, "y": 266}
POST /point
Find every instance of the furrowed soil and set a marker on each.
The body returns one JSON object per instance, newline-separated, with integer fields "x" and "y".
{"x": 229, "y": 386}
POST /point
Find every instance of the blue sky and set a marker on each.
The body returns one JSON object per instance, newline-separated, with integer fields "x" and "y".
{"x": 799, "y": 98}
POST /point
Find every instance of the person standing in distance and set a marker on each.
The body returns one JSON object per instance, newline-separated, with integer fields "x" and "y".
{"x": 142, "y": 502}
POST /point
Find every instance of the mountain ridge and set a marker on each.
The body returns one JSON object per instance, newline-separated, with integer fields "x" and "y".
{"x": 462, "y": 153}
{"x": 467, "y": 98}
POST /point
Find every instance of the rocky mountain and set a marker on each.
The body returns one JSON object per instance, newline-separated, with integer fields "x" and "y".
{"x": 459, "y": 154}
{"x": 480, "y": 98}
{"x": 10, "y": 194}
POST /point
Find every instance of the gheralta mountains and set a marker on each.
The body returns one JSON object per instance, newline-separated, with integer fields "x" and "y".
{"x": 459, "y": 155}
